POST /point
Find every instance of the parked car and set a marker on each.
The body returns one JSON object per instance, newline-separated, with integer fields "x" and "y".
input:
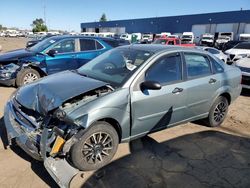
{"x": 207, "y": 39}
{"x": 244, "y": 37}
{"x": 121, "y": 95}
{"x": 230, "y": 44}
{"x": 126, "y": 36}
{"x": 222, "y": 38}
{"x": 219, "y": 54}
{"x": 147, "y": 38}
{"x": 49, "y": 56}
{"x": 244, "y": 65}
{"x": 240, "y": 51}
{"x": 187, "y": 38}
{"x": 37, "y": 39}
{"x": 172, "y": 41}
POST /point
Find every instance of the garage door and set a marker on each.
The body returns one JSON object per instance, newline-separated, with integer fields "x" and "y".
{"x": 224, "y": 27}
{"x": 198, "y": 30}
{"x": 247, "y": 28}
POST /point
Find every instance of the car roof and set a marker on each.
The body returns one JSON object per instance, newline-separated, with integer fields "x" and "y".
{"x": 156, "y": 48}
{"x": 59, "y": 37}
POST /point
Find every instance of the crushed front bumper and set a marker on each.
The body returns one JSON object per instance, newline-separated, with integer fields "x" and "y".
{"x": 8, "y": 82}
{"x": 22, "y": 134}
{"x": 59, "y": 168}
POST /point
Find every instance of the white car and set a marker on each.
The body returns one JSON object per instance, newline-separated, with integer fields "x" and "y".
{"x": 244, "y": 65}
{"x": 240, "y": 51}
{"x": 219, "y": 54}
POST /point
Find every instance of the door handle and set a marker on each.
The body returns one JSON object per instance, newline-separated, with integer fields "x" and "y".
{"x": 212, "y": 81}
{"x": 177, "y": 90}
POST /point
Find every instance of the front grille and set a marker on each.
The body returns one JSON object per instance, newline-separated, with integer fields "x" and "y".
{"x": 245, "y": 80}
{"x": 22, "y": 116}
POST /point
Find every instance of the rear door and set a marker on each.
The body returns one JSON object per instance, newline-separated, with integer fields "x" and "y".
{"x": 65, "y": 57}
{"x": 88, "y": 50}
{"x": 202, "y": 83}
{"x": 157, "y": 109}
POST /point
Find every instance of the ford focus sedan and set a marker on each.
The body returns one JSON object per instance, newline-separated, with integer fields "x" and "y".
{"x": 51, "y": 55}
{"x": 74, "y": 120}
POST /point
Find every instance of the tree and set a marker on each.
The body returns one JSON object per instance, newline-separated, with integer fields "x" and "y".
{"x": 103, "y": 18}
{"x": 39, "y": 25}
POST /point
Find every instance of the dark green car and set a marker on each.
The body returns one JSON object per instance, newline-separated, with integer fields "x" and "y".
{"x": 76, "y": 119}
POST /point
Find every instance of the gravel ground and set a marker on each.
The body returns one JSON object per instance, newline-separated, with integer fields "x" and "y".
{"x": 189, "y": 155}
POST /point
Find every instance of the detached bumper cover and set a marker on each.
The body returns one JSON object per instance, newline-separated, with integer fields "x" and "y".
{"x": 15, "y": 130}
{"x": 59, "y": 169}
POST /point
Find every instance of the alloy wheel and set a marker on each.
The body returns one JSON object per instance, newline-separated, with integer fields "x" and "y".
{"x": 220, "y": 111}
{"x": 30, "y": 77}
{"x": 97, "y": 147}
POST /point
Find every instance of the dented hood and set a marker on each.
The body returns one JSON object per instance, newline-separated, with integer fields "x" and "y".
{"x": 52, "y": 91}
{"x": 15, "y": 55}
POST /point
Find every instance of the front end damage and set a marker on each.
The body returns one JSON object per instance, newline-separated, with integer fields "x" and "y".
{"x": 8, "y": 72}
{"x": 49, "y": 137}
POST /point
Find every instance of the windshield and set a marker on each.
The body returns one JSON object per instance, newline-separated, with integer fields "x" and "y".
{"x": 187, "y": 36}
{"x": 243, "y": 46}
{"x": 40, "y": 46}
{"x": 207, "y": 38}
{"x": 115, "y": 66}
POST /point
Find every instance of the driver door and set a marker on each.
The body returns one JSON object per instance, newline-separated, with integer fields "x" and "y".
{"x": 158, "y": 109}
{"x": 64, "y": 59}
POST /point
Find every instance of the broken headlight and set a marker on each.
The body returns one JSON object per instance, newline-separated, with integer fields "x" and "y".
{"x": 8, "y": 70}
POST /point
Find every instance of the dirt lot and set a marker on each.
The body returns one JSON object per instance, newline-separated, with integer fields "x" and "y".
{"x": 189, "y": 155}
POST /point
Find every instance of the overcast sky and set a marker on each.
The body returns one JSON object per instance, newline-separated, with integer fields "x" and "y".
{"x": 68, "y": 14}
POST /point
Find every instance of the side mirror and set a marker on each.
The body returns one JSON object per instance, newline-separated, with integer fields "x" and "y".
{"x": 151, "y": 85}
{"x": 52, "y": 52}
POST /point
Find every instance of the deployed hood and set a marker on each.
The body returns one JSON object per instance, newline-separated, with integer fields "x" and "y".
{"x": 52, "y": 91}
{"x": 15, "y": 55}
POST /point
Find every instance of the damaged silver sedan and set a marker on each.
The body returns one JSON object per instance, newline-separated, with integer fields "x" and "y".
{"x": 74, "y": 120}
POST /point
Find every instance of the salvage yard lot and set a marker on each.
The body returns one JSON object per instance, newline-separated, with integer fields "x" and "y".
{"x": 197, "y": 155}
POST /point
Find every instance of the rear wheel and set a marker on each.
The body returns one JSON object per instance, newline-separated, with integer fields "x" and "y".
{"x": 96, "y": 147}
{"x": 218, "y": 112}
{"x": 27, "y": 76}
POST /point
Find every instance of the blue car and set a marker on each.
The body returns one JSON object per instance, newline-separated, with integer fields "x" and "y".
{"x": 49, "y": 56}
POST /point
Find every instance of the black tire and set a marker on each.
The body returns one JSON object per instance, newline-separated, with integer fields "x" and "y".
{"x": 218, "y": 112}
{"x": 84, "y": 157}
{"x": 24, "y": 74}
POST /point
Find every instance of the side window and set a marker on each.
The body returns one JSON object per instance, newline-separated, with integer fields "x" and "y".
{"x": 87, "y": 44}
{"x": 166, "y": 69}
{"x": 216, "y": 65}
{"x": 197, "y": 65}
{"x": 65, "y": 46}
{"x": 98, "y": 45}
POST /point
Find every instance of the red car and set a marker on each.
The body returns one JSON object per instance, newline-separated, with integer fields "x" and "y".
{"x": 172, "y": 41}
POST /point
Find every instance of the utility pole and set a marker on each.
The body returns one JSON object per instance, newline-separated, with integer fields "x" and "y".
{"x": 44, "y": 11}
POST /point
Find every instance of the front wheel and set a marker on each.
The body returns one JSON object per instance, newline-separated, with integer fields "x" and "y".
{"x": 218, "y": 112}
{"x": 27, "y": 76}
{"x": 95, "y": 148}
